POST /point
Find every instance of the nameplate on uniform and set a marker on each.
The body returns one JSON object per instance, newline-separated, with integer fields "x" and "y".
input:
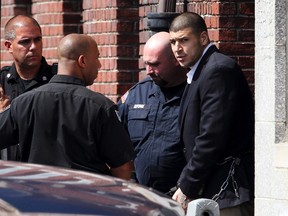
{"x": 139, "y": 106}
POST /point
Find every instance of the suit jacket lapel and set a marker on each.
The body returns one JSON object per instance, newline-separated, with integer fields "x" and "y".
{"x": 183, "y": 105}
{"x": 189, "y": 88}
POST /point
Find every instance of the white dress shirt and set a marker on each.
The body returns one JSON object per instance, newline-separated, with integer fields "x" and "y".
{"x": 190, "y": 74}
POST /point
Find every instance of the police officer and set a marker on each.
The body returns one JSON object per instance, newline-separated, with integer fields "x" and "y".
{"x": 23, "y": 40}
{"x": 149, "y": 111}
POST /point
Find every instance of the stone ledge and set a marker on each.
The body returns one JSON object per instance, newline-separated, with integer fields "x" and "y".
{"x": 281, "y": 155}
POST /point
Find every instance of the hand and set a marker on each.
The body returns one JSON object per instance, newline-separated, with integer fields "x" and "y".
{"x": 4, "y": 100}
{"x": 181, "y": 198}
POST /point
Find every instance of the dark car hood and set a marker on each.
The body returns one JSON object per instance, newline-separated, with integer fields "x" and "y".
{"x": 35, "y": 188}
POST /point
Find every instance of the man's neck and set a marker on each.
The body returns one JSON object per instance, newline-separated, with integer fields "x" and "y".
{"x": 28, "y": 73}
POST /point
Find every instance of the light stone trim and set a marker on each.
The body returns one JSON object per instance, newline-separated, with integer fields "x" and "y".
{"x": 271, "y": 99}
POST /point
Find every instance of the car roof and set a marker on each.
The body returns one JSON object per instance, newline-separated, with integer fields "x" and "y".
{"x": 32, "y": 189}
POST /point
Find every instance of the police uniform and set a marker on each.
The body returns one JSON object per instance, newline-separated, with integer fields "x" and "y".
{"x": 13, "y": 86}
{"x": 65, "y": 124}
{"x": 150, "y": 114}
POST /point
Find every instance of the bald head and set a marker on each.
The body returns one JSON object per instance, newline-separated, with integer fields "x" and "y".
{"x": 78, "y": 56}
{"x": 17, "y": 22}
{"x": 161, "y": 64}
{"x": 159, "y": 43}
{"x": 74, "y": 45}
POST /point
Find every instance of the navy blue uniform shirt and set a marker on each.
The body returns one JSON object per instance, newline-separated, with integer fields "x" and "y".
{"x": 151, "y": 116}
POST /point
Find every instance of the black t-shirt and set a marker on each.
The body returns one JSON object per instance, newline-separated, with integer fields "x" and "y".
{"x": 65, "y": 124}
{"x": 13, "y": 86}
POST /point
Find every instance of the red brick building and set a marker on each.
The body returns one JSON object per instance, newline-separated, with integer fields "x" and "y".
{"x": 120, "y": 28}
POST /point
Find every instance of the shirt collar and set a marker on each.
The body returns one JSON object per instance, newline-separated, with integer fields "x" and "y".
{"x": 190, "y": 74}
{"x": 66, "y": 79}
{"x": 44, "y": 72}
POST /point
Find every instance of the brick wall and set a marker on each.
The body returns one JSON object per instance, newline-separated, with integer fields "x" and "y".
{"x": 114, "y": 25}
{"x": 120, "y": 28}
{"x": 57, "y": 18}
{"x": 8, "y": 9}
{"x": 231, "y": 27}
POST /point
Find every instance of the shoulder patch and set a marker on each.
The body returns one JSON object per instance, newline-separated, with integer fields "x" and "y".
{"x": 124, "y": 97}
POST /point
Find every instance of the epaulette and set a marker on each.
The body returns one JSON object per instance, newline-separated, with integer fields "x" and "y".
{"x": 5, "y": 68}
{"x": 145, "y": 80}
{"x": 54, "y": 68}
{"x": 141, "y": 82}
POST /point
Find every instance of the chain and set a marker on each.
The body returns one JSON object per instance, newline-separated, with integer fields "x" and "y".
{"x": 235, "y": 161}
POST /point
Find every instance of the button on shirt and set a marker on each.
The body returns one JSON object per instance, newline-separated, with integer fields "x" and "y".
{"x": 63, "y": 123}
{"x": 152, "y": 122}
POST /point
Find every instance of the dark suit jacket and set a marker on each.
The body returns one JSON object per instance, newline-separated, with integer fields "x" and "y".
{"x": 216, "y": 122}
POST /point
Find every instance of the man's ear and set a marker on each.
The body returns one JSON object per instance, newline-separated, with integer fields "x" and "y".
{"x": 8, "y": 45}
{"x": 82, "y": 61}
{"x": 204, "y": 38}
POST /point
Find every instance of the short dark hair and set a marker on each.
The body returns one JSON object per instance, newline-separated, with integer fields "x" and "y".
{"x": 11, "y": 25}
{"x": 188, "y": 20}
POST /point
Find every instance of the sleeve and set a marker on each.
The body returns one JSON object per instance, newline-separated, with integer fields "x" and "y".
{"x": 218, "y": 96}
{"x": 116, "y": 147}
{"x": 8, "y": 129}
{"x": 2, "y": 79}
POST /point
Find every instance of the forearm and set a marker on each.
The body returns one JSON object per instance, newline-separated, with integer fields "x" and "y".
{"x": 123, "y": 171}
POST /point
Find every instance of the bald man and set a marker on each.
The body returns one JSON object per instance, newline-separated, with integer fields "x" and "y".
{"x": 23, "y": 40}
{"x": 149, "y": 111}
{"x": 65, "y": 124}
